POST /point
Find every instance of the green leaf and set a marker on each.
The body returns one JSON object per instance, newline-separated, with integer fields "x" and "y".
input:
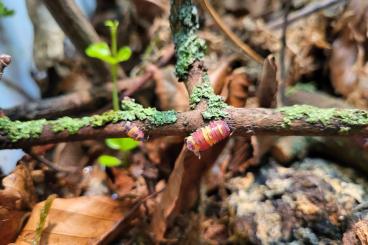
{"x": 112, "y": 24}
{"x": 123, "y": 144}
{"x": 109, "y": 161}
{"x": 4, "y": 11}
{"x": 100, "y": 51}
{"x": 124, "y": 54}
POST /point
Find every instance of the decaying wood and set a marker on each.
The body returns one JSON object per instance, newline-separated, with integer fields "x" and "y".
{"x": 308, "y": 202}
{"x": 80, "y": 31}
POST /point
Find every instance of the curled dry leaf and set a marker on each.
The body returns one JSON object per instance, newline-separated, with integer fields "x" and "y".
{"x": 171, "y": 94}
{"x": 181, "y": 191}
{"x": 81, "y": 220}
{"x": 342, "y": 66}
{"x": 16, "y": 199}
{"x": 267, "y": 89}
{"x": 348, "y": 63}
{"x": 218, "y": 76}
{"x": 236, "y": 88}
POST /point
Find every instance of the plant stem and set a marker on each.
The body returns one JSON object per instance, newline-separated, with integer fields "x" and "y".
{"x": 115, "y": 95}
{"x": 114, "y": 69}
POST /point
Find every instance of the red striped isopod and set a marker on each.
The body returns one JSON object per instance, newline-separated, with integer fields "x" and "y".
{"x": 133, "y": 131}
{"x": 203, "y": 138}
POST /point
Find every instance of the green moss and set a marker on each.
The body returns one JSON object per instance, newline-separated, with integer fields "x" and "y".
{"x": 17, "y": 130}
{"x": 72, "y": 125}
{"x": 189, "y": 47}
{"x": 216, "y": 107}
{"x": 132, "y": 111}
{"x": 311, "y": 114}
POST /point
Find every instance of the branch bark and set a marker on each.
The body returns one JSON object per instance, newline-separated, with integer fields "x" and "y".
{"x": 243, "y": 122}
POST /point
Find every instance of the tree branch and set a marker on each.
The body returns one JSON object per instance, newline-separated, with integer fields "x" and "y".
{"x": 298, "y": 120}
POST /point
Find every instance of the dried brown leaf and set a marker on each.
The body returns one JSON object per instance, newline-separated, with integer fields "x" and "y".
{"x": 171, "y": 94}
{"x": 182, "y": 188}
{"x": 82, "y": 220}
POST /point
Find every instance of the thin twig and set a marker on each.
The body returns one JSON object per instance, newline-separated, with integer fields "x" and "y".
{"x": 48, "y": 163}
{"x": 306, "y": 11}
{"x": 127, "y": 218}
{"x": 229, "y": 33}
{"x": 282, "y": 52}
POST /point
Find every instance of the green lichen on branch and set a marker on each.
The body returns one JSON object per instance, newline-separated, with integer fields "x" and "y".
{"x": 189, "y": 47}
{"x": 347, "y": 118}
{"x": 191, "y": 50}
{"x": 72, "y": 125}
{"x": 17, "y": 130}
{"x": 216, "y": 107}
{"x": 155, "y": 117}
{"x": 131, "y": 111}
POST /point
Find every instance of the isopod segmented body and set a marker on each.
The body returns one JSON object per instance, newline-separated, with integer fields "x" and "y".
{"x": 133, "y": 131}
{"x": 203, "y": 138}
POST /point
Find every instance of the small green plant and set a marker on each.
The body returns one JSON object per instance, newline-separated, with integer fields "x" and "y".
{"x": 112, "y": 56}
{"x": 4, "y": 11}
{"x": 124, "y": 145}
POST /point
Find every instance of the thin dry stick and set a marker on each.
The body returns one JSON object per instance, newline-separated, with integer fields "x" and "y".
{"x": 48, "y": 163}
{"x": 306, "y": 11}
{"x": 230, "y": 34}
{"x": 282, "y": 53}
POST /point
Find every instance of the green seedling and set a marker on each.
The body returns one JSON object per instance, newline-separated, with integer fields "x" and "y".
{"x": 112, "y": 56}
{"x": 109, "y": 161}
{"x": 124, "y": 145}
{"x": 4, "y": 11}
